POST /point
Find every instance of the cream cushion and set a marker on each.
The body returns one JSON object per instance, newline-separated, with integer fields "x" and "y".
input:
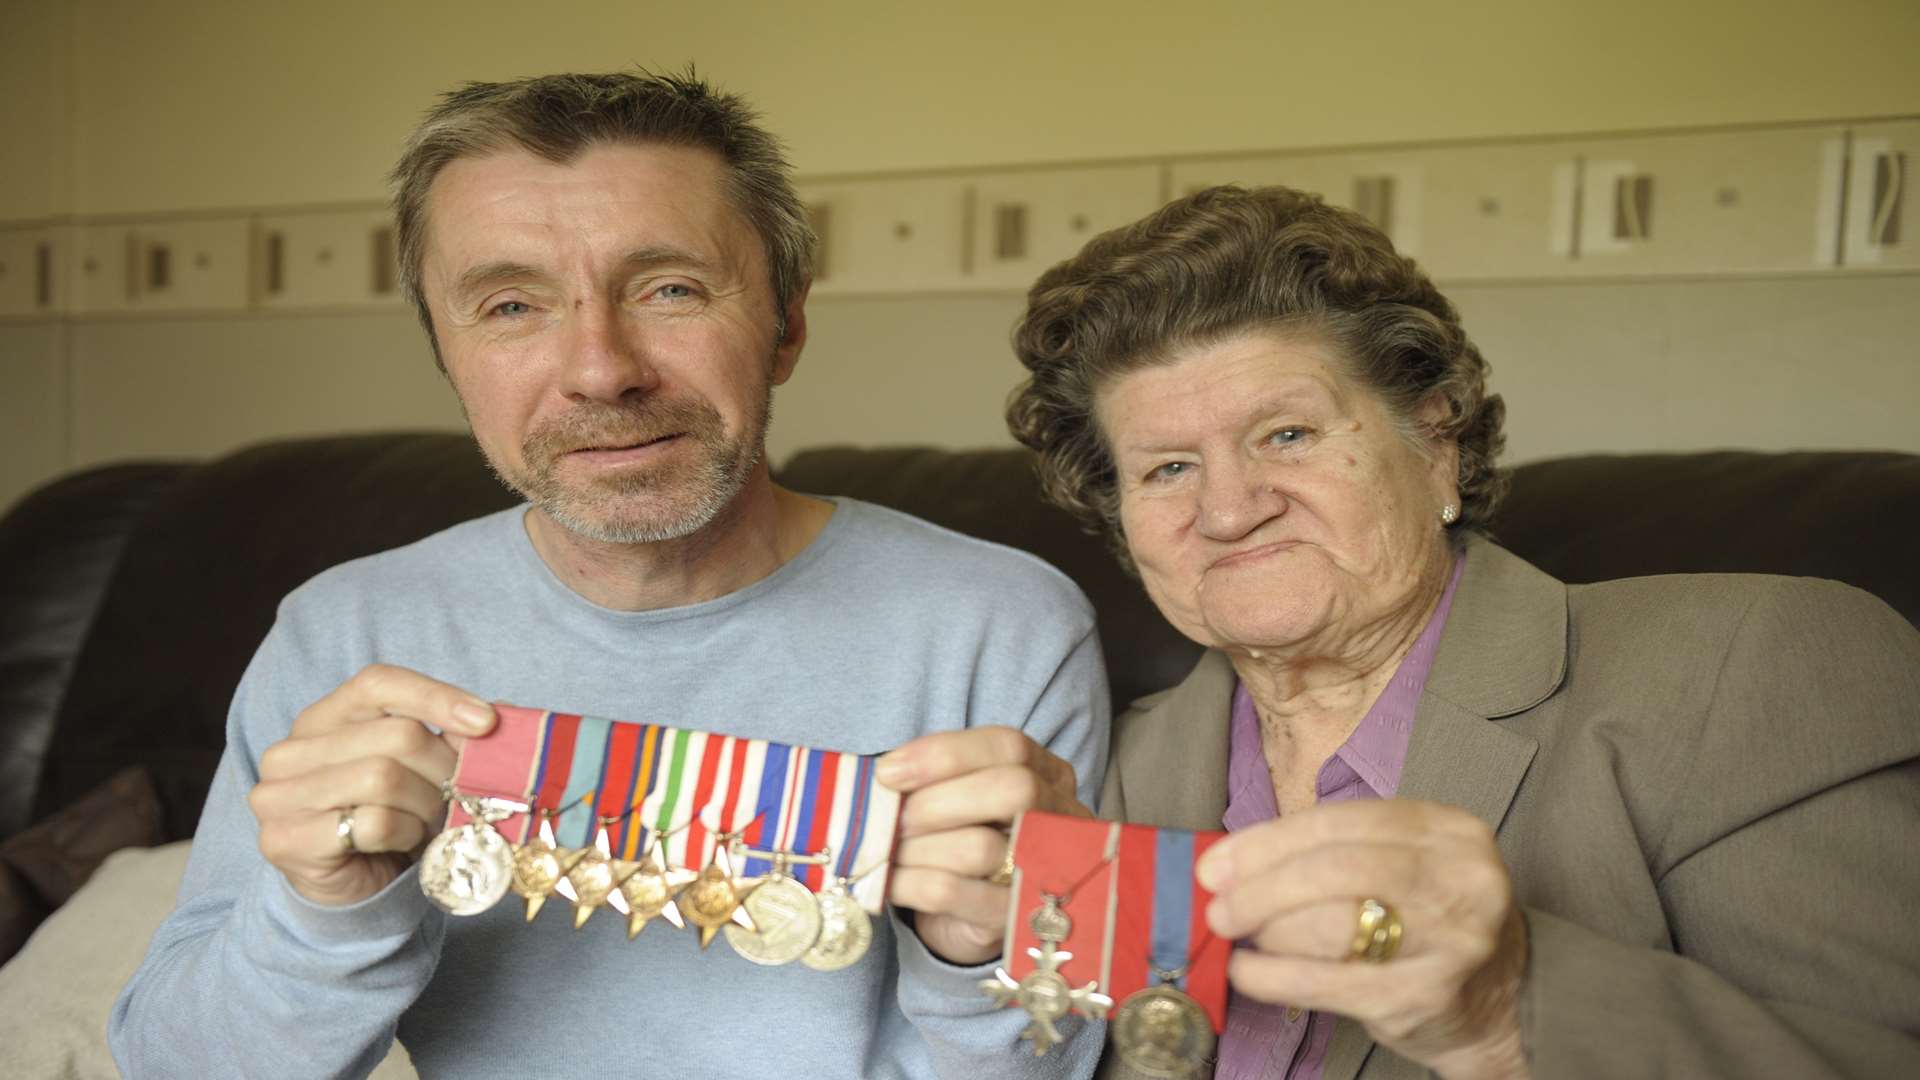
{"x": 56, "y": 992}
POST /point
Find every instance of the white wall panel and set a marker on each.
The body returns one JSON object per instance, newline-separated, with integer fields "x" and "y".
{"x": 1025, "y": 222}
{"x": 31, "y": 266}
{"x": 889, "y": 236}
{"x": 191, "y": 265}
{"x": 326, "y": 260}
{"x": 1711, "y": 203}
{"x": 1881, "y": 228}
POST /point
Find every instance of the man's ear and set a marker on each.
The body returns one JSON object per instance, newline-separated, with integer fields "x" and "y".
{"x": 786, "y": 351}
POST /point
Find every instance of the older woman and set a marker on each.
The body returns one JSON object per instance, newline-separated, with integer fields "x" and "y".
{"x": 1656, "y": 827}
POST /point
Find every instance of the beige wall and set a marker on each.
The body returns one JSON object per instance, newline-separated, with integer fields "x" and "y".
{"x": 234, "y": 103}
{"x": 140, "y": 108}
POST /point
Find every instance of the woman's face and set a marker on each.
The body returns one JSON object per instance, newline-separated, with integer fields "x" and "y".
{"x": 1268, "y": 499}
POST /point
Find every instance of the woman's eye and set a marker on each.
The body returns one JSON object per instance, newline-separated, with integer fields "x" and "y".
{"x": 1288, "y": 435}
{"x": 1170, "y": 470}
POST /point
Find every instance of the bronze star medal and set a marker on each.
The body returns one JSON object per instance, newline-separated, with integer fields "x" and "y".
{"x": 716, "y": 897}
{"x": 596, "y": 879}
{"x": 538, "y": 866}
{"x": 651, "y": 890}
{"x": 1044, "y": 993}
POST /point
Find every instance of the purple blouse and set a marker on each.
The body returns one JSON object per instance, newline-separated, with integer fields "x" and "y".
{"x": 1263, "y": 1040}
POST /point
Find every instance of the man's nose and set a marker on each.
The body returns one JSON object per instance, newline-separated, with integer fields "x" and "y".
{"x": 1235, "y": 500}
{"x": 607, "y": 357}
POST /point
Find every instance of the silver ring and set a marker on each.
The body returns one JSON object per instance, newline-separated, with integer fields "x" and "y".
{"x": 344, "y": 830}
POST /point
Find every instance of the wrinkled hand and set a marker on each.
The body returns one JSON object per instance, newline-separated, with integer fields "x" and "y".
{"x": 1291, "y": 888}
{"x": 364, "y": 748}
{"x": 962, "y": 791}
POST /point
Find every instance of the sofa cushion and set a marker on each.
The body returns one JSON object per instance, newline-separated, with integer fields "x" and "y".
{"x": 201, "y": 578}
{"x": 55, "y": 995}
{"x": 43, "y": 866}
{"x": 58, "y": 550}
{"x": 1847, "y": 516}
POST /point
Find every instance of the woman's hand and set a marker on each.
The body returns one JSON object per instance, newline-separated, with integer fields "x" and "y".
{"x": 962, "y": 791}
{"x": 1291, "y": 890}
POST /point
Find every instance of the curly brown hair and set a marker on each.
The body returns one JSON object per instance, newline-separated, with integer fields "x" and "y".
{"x": 1220, "y": 262}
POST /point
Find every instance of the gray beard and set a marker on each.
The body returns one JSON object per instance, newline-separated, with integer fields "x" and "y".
{"x": 668, "y": 502}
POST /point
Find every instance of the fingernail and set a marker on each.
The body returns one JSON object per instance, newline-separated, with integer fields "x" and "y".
{"x": 893, "y": 769}
{"x": 475, "y": 716}
{"x": 1214, "y": 870}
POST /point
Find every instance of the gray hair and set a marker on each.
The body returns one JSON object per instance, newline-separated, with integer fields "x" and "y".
{"x": 557, "y": 117}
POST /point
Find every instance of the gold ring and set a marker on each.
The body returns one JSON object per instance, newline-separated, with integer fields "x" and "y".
{"x": 344, "y": 830}
{"x": 1376, "y": 933}
{"x": 1004, "y": 875}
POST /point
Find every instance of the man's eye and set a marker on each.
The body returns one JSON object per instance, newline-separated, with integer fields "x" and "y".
{"x": 511, "y": 308}
{"x": 675, "y": 291}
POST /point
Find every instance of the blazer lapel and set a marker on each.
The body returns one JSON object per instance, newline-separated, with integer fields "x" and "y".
{"x": 1504, "y": 650}
{"x": 1171, "y": 760}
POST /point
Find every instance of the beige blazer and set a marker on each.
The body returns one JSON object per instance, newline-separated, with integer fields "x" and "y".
{"x": 1706, "y": 787}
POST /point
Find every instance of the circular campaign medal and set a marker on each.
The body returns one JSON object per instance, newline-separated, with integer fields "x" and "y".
{"x": 846, "y": 930}
{"x": 467, "y": 870}
{"x": 785, "y": 913}
{"x": 1163, "y": 1033}
{"x": 789, "y": 922}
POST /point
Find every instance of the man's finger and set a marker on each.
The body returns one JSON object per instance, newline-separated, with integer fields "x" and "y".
{"x": 377, "y": 829}
{"x": 938, "y": 892}
{"x": 385, "y": 690}
{"x": 975, "y": 851}
{"x": 943, "y": 755}
{"x": 990, "y": 796}
{"x": 367, "y": 781}
{"x": 313, "y": 840}
{"x": 404, "y": 740}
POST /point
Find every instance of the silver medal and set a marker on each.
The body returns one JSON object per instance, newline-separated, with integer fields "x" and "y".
{"x": 467, "y": 870}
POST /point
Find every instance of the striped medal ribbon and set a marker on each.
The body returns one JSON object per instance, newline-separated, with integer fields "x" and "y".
{"x": 1161, "y": 1030}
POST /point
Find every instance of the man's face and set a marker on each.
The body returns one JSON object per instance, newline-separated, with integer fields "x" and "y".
{"x": 609, "y": 328}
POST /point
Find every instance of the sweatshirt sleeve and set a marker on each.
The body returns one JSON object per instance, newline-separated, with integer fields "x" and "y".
{"x": 248, "y": 978}
{"x": 1063, "y": 705}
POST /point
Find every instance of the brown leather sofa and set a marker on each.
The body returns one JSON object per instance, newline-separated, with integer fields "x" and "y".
{"x": 132, "y": 596}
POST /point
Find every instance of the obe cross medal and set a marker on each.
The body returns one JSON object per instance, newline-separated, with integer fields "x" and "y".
{"x": 1044, "y": 993}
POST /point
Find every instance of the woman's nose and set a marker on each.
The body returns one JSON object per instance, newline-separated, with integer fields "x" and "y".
{"x": 1235, "y": 501}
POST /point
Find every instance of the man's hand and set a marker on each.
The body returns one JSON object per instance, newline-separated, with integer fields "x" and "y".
{"x": 363, "y": 748}
{"x": 962, "y": 791}
{"x": 1290, "y": 890}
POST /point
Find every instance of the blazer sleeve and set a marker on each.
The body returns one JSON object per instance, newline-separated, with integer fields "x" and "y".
{"x": 1788, "y": 871}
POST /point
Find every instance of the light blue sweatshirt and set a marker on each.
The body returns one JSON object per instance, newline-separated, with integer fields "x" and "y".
{"x": 884, "y": 628}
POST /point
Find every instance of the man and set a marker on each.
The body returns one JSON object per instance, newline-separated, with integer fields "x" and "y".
{"x": 612, "y": 271}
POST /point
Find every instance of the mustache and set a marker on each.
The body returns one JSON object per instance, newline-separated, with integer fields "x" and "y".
{"x": 600, "y": 424}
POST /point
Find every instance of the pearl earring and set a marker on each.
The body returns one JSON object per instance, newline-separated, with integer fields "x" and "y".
{"x": 1449, "y": 514}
